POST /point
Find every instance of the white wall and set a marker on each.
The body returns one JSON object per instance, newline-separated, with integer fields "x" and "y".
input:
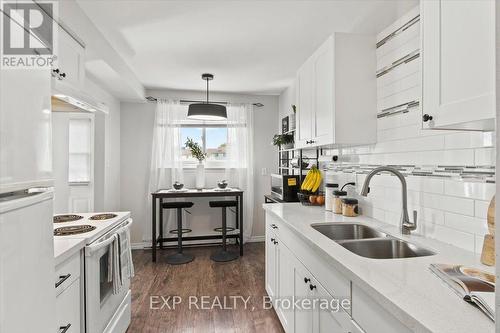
{"x": 107, "y": 150}
{"x": 137, "y": 121}
{"x": 286, "y": 99}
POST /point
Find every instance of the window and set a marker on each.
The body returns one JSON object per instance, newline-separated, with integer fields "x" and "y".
{"x": 212, "y": 139}
{"x": 80, "y": 150}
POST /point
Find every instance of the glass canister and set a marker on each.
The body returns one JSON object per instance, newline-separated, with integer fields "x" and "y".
{"x": 350, "y": 207}
{"x": 329, "y": 189}
{"x": 337, "y": 201}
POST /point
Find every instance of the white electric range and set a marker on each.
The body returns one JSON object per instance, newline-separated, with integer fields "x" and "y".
{"x": 105, "y": 311}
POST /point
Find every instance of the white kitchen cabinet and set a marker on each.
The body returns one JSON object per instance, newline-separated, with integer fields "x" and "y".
{"x": 458, "y": 64}
{"x": 305, "y": 116}
{"x": 278, "y": 265}
{"x": 336, "y": 93}
{"x": 371, "y": 317}
{"x": 69, "y": 290}
{"x": 68, "y": 309}
{"x": 271, "y": 274}
{"x": 294, "y": 270}
{"x": 69, "y": 68}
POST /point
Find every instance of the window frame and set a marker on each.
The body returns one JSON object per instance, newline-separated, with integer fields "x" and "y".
{"x": 208, "y": 164}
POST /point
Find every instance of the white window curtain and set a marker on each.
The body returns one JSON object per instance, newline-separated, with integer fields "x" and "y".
{"x": 166, "y": 163}
{"x": 239, "y": 168}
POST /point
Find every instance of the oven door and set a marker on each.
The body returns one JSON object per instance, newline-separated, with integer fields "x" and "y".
{"x": 100, "y": 302}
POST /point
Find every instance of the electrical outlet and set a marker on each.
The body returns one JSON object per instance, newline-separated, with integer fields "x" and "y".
{"x": 264, "y": 171}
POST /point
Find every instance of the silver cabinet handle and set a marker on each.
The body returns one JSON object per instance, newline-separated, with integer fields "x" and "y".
{"x": 62, "y": 278}
{"x": 64, "y": 329}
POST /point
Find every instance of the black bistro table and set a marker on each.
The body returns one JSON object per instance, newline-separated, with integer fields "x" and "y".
{"x": 161, "y": 196}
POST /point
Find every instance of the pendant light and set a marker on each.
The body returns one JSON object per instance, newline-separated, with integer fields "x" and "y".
{"x": 207, "y": 111}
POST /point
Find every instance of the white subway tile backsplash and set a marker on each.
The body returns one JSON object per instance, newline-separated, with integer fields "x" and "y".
{"x": 484, "y": 156}
{"x": 468, "y": 140}
{"x": 473, "y": 190}
{"x": 481, "y": 208}
{"x": 454, "y": 237}
{"x": 468, "y": 224}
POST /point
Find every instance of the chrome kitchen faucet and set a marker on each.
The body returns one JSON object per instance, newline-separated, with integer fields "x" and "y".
{"x": 406, "y": 225}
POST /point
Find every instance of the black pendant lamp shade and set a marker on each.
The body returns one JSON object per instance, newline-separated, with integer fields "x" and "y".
{"x": 207, "y": 111}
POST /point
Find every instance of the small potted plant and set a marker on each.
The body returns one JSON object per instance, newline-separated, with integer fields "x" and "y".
{"x": 197, "y": 152}
{"x": 283, "y": 141}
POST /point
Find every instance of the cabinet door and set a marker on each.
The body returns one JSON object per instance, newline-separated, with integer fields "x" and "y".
{"x": 305, "y": 114}
{"x": 331, "y": 319}
{"x": 70, "y": 61}
{"x": 323, "y": 94}
{"x": 68, "y": 308}
{"x": 270, "y": 265}
{"x": 303, "y": 318}
{"x": 458, "y": 64}
{"x": 284, "y": 285}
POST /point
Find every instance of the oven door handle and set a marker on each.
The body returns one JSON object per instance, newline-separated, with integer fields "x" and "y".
{"x": 89, "y": 250}
{"x": 126, "y": 225}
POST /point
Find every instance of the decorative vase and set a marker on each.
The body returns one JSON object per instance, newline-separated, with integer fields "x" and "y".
{"x": 200, "y": 176}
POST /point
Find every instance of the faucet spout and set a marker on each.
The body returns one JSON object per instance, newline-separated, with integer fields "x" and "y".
{"x": 406, "y": 225}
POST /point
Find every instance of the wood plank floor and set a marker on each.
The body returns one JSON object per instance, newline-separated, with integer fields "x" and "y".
{"x": 202, "y": 277}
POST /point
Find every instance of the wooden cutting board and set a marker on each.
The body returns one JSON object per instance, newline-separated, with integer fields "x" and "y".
{"x": 491, "y": 216}
{"x": 488, "y": 254}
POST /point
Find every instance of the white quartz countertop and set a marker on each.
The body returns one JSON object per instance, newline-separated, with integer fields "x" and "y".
{"x": 64, "y": 248}
{"x": 404, "y": 287}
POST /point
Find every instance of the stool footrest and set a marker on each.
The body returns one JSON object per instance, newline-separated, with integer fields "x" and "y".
{"x": 183, "y": 231}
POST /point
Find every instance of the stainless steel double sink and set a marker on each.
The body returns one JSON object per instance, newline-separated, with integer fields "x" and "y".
{"x": 369, "y": 242}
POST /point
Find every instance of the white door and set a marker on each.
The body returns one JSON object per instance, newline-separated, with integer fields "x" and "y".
{"x": 284, "y": 285}
{"x": 73, "y": 146}
{"x": 328, "y": 319}
{"x": 305, "y": 113}
{"x": 458, "y": 64}
{"x": 270, "y": 264}
{"x": 323, "y": 93}
{"x": 303, "y": 318}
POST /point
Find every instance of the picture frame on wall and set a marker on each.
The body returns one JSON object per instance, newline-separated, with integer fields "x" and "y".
{"x": 285, "y": 124}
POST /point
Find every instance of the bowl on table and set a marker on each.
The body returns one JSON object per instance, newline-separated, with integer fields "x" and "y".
{"x": 222, "y": 184}
{"x": 178, "y": 186}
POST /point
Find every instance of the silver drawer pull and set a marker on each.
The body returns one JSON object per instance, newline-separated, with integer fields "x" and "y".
{"x": 64, "y": 329}
{"x": 62, "y": 278}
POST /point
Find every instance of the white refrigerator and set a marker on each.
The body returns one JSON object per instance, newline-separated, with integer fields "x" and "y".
{"x": 27, "y": 274}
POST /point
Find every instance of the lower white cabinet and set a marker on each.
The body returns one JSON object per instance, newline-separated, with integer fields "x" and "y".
{"x": 68, "y": 309}
{"x": 367, "y": 313}
{"x": 69, "y": 290}
{"x": 297, "y": 294}
{"x": 295, "y": 271}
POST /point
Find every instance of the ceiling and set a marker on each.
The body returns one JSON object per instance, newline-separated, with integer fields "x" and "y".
{"x": 251, "y": 46}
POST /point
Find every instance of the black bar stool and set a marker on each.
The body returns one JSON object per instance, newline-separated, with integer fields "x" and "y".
{"x": 224, "y": 255}
{"x": 179, "y": 257}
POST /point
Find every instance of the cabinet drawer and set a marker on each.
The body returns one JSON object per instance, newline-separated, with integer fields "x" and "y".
{"x": 67, "y": 272}
{"x": 68, "y": 309}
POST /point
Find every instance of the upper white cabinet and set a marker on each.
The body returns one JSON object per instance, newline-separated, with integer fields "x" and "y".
{"x": 69, "y": 68}
{"x": 336, "y": 93}
{"x": 458, "y": 64}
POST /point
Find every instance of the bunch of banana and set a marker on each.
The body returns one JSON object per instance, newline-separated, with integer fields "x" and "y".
{"x": 312, "y": 181}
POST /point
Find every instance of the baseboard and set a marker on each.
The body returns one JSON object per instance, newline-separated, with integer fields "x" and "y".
{"x": 138, "y": 246}
{"x": 257, "y": 239}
